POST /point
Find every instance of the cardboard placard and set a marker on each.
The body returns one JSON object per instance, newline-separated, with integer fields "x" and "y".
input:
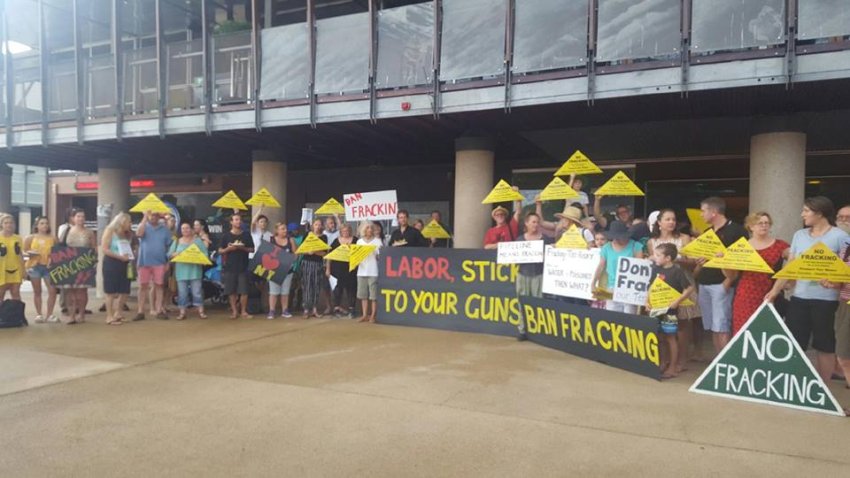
{"x": 464, "y": 290}
{"x": 502, "y": 192}
{"x": 192, "y": 255}
{"x": 330, "y": 207}
{"x": 740, "y": 256}
{"x": 230, "y": 201}
{"x": 763, "y": 363}
{"x": 662, "y": 294}
{"x": 632, "y": 282}
{"x": 572, "y": 238}
{"x": 151, "y": 203}
{"x": 371, "y": 206}
{"x": 578, "y": 163}
{"x": 697, "y": 222}
{"x": 619, "y": 185}
{"x": 72, "y": 266}
{"x": 557, "y": 189}
{"x": 628, "y": 342}
{"x": 569, "y": 272}
{"x": 433, "y": 230}
{"x": 816, "y": 263}
{"x": 271, "y": 262}
{"x": 706, "y": 246}
{"x": 358, "y": 253}
{"x": 312, "y": 243}
{"x": 263, "y": 198}
{"x": 340, "y": 254}
{"x": 520, "y": 252}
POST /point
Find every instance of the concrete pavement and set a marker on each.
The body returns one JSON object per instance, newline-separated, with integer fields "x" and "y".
{"x": 334, "y": 397}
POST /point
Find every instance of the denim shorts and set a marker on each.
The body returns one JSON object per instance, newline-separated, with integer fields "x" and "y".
{"x": 38, "y": 271}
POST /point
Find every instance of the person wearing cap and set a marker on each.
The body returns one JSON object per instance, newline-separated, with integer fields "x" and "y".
{"x": 505, "y": 230}
{"x": 620, "y": 245}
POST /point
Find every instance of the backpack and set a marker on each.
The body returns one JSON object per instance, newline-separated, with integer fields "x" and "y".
{"x": 12, "y": 314}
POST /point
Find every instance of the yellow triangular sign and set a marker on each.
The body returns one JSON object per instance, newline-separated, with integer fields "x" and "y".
{"x": 571, "y": 239}
{"x": 619, "y": 185}
{"x": 661, "y": 295}
{"x": 578, "y": 164}
{"x": 151, "y": 203}
{"x": 707, "y": 245}
{"x": 230, "y": 201}
{"x": 697, "y": 222}
{"x": 340, "y": 254}
{"x": 312, "y": 243}
{"x": 816, "y": 263}
{"x": 263, "y": 198}
{"x": 358, "y": 254}
{"x": 331, "y": 206}
{"x": 192, "y": 255}
{"x": 433, "y": 230}
{"x": 740, "y": 256}
{"x": 502, "y": 193}
{"x": 557, "y": 189}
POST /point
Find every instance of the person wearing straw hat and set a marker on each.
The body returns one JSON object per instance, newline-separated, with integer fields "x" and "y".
{"x": 571, "y": 215}
{"x": 505, "y": 230}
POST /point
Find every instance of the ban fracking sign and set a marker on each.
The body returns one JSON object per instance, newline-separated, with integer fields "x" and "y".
{"x": 464, "y": 290}
{"x": 73, "y": 266}
{"x": 763, "y": 363}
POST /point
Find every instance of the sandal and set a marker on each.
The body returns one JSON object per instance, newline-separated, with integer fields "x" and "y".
{"x": 181, "y": 317}
{"x": 202, "y": 315}
{"x": 114, "y": 322}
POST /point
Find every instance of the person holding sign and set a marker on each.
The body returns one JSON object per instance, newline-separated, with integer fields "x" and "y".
{"x": 189, "y": 276}
{"x": 117, "y": 254}
{"x": 11, "y": 259}
{"x": 505, "y": 229}
{"x": 665, "y": 268}
{"x": 717, "y": 286}
{"x": 529, "y": 279}
{"x": 346, "y": 278}
{"x": 154, "y": 241}
{"x": 37, "y": 247}
{"x": 280, "y": 292}
{"x": 620, "y": 245}
{"x": 77, "y": 235}
{"x": 406, "y": 236}
{"x": 312, "y": 274}
{"x": 367, "y": 274}
{"x": 752, "y": 286}
{"x": 437, "y": 217}
{"x": 811, "y": 311}
{"x": 234, "y": 247}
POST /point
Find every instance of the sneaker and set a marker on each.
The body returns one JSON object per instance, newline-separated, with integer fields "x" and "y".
{"x": 285, "y": 314}
{"x": 39, "y": 319}
{"x": 270, "y": 316}
{"x": 139, "y": 316}
{"x": 53, "y": 319}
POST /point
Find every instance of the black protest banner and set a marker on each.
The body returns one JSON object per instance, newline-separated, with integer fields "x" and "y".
{"x": 625, "y": 341}
{"x": 271, "y": 262}
{"x": 450, "y": 289}
{"x": 73, "y": 266}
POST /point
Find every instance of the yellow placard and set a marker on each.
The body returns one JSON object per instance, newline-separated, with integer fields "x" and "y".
{"x": 572, "y": 238}
{"x": 312, "y": 243}
{"x": 502, "y": 193}
{"x": 151, "y": 203}
{"x": 740, "y": 256}
{"x": 192, "y": 255}
{"x": 263, "y": 198}
{"x": 661, "y": 295}
{"x": 358, "y": 254}
{"x": 578, "y": 164}
{"x": 230, "y": 201}
{"x": 340, "y": 254}
{"x": 557, "y": 189}
{"x": 433, "y": 230}
{"x": 816, "y": 263}
{"x": 619, "y": 185}
{"x": 697, "y": 222}
{"x": 707, "y": 246}
{"x": 331, "y": 206}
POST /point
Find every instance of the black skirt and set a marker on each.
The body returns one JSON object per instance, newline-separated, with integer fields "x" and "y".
{"x": 115, "y": 279}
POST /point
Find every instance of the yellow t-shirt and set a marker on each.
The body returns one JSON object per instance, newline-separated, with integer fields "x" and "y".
{"x": 11, "y": 250}
{"x": 43, "y": 246}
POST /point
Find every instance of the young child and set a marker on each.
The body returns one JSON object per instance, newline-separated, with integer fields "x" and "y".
{"x": 663, "y": 257}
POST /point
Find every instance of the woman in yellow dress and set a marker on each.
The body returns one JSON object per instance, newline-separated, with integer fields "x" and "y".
{"x": 37, "y": 247}
{"x": 11, "y": 259}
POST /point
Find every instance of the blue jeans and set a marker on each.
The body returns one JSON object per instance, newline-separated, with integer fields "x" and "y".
{"x": 195, "y": 286}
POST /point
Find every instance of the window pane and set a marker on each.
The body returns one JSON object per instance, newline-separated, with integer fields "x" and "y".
{"x": 139, "y": 56}
{"x": 61, "y": 71}
{"x": 823, "y": 19}
{"x": 232, "y": 67}
{"x": 405, "y": 46}
{"x": 342, "y": 54}
{"x": 638, "y": 29}
{"x": 286, "y": 63}
{"x": 473, "y": 40}
{"x": 97, "y": 58}
{"x": 184, "y": 53}
{"x": 550, "y": 34}
{"x": 719, "y": 25}
{"x": 23, "y": 23}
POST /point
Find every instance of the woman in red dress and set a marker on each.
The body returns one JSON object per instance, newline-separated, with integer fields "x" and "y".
{"x": 752, "y": 286}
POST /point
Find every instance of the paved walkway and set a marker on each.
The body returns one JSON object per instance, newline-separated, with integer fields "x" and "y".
{"x": 337, "y": 398}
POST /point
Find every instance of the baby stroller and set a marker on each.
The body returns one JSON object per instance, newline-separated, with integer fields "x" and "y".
{"x": 213, "y": 288}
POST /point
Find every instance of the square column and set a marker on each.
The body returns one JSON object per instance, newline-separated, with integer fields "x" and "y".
{"x": 269, "y": 171}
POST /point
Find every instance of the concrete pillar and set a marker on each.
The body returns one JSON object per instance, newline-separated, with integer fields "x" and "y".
{"x": 474, "y": 163}
{"x": 5, "y": 188}
{"x": 778, "y": 173}
{"x": 268, "y": 170}
{"x": 113, "y": 196}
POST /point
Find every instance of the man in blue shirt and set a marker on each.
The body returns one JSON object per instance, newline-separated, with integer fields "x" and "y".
{"x": 154, "y": 242}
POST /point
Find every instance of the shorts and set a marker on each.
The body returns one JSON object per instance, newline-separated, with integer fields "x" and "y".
{"x": 281, "y": 289}
{"x": 715, "y": 303}
{"x": 235, "y": 283}
{"x": 38, "y": 271}
{"x": 155, "y": 274}
{"x": 669, "y": 324}
{"x": 813, "y": 320}
{"x": 621, "y": 307}
{"x": 367, "y": 288}
{"x": 842, "y": 330}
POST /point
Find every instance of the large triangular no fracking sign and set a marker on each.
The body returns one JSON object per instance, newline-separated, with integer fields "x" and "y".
{"x": 763, "y": 363}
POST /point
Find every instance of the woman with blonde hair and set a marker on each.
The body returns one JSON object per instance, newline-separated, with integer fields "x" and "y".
{"x": 37, "y": 246}
{"x": 11, "y": 259}
{"x": 117, "y": 254}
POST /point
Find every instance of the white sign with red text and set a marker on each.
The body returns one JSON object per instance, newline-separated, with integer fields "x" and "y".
{"x": 371, "y": 206}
